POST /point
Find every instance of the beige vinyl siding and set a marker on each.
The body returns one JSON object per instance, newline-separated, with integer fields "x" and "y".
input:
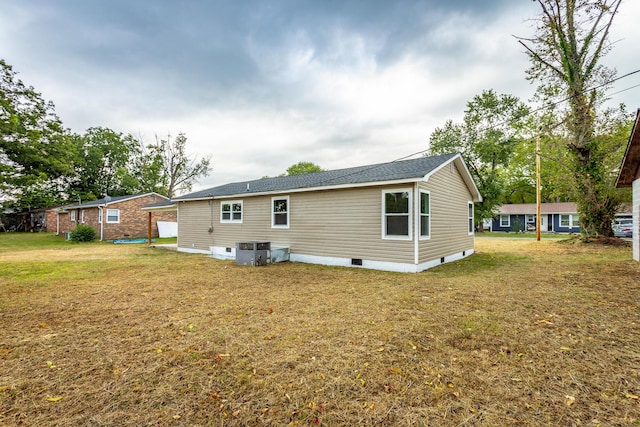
{"x": 450, "y": 199}
{"x": 194, "y": 221}
{"x": 334, "y": 223}
{"x": 344, "y": 224}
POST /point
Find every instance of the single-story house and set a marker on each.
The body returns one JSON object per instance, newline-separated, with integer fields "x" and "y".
{"x": 629, "y": 176}
{"x": 403, "y": 216}
{"x": 556, "y": 217}
{"x": 114, "y": 217}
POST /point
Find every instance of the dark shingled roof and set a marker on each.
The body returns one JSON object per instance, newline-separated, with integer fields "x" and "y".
{"x": 99, "y": 202}
{"x": 392, "y": 171}
{"x": 106, "y": 200}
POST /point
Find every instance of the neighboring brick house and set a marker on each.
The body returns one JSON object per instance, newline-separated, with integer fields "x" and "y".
{"x": 114, "y": 217}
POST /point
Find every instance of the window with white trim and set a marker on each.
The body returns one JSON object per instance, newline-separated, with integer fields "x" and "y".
{"x": 100, "y": 216}
{"x": 231, "y": 211}
{"x": 82, "y": 216}
{"x": 396, "y": 214}
{"x": 113, "y": 216}
{"x": 280, "y": 212}
{"x": 570, "y": 221}
{"x": 505, "y": 221}
{"x": 425, "y": 214}
{"x": 470, "y": 218}
{"x": 72, "y": 215}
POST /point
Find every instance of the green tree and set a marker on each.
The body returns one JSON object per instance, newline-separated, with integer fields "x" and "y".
{"x": 35, "y": 149}
{"x": 302, "y": 168}
{"x": 168, "y": 167}
{"x": 565, "y": 53}
{"x": 491, "y": 129}
{"x": 104, "y": 164}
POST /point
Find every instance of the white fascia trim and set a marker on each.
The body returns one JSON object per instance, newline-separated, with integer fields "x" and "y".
{"x": 166, "y": 208}
{"x": 304, "y": 190}
{"x": 194, "y": 251}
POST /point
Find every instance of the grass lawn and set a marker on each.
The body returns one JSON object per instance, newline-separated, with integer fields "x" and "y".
{"x": 522, "y": 333}
{"x": 527, "y": 235}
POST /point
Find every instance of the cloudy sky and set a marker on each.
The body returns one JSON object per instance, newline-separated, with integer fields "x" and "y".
{"x": 262, "y": 84}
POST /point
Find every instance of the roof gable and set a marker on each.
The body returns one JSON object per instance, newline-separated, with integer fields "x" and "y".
{"x": 630, "y": 169}
{"x": 399, "y": 171}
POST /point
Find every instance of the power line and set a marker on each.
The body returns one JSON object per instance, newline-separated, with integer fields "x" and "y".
{"x": 549, "y": 106}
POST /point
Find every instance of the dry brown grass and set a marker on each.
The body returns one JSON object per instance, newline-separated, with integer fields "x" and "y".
{"x": 522, "y": 333}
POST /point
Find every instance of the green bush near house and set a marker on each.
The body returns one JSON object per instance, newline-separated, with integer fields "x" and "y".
{"x": 83, "y": 233}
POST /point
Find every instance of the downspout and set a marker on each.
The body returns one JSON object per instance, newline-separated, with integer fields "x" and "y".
{"x": 416, "y": 224}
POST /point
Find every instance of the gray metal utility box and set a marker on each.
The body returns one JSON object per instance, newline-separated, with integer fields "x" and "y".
{"x": 253, "y": 253}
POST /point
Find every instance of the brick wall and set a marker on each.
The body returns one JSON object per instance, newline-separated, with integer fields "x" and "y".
{"x": 65, "y": 224}
{"x": 133, "y": 220}
{"x": 52, "y": 220}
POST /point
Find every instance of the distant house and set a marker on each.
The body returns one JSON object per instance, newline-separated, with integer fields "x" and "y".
{"x": 113, "y": 217}
{"x": 629, "y": 176}
{"x": 403, "y": 216}
{"x": 556, "y": 217}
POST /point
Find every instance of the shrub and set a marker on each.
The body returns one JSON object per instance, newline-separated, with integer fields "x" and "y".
{"x": 83, "y": 233}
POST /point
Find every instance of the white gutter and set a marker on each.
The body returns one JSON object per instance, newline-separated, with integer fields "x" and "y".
{"x": 304, "y": 189}
{"x": 416, "y": 223}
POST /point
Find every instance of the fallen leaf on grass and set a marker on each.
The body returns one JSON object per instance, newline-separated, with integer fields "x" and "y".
{"x": 50, "y": 364}
{"x": 570, "y": 400}
{"x": 543, "y": 322}
{"x": 54, "y": 399}
{"x": 632, "y": 396}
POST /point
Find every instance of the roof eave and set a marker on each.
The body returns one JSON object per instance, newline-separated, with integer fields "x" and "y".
{"x": 631, "y": 160}
{"x": 305, "y": 189}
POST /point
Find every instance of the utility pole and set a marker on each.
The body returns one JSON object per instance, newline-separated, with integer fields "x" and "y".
{"x": 538, "y": 187}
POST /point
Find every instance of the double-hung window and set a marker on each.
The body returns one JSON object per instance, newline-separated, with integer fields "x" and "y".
{"x": 396, "y": 222}
{"x": 82, "y": 216}
{"x": 72, "y": 215}
{"x": 231, "y": 211}
{"x": 470, "y": 219}
{"x": 280, "y": 212}
{"x": 113, "y": 216}
{"x": 425, "y": 215}
{"x": 505, "y": 221}
{"x": 569, "y": 220}
{"x": 99, "y": 215}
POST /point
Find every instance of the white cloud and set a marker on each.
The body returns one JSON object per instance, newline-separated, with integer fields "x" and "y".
{"x": 262, "y": 93}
